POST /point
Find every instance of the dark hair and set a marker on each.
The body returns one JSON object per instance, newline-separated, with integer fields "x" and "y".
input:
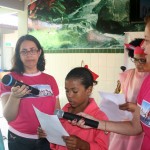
{"x": 83, "y": 74}
{"x": 136, "y": 42}
{"x": 147, "y": 18}
{"x": 17, "y": 63}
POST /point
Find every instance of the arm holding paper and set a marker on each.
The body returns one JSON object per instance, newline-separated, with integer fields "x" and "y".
{"x": 117, "y": 125}
{"x": 132, "y": 127}
{"x": 110, "y": 104}
{"x": 71, "y": 141}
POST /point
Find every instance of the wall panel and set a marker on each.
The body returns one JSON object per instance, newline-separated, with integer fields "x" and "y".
{"x": 107, "y": 65}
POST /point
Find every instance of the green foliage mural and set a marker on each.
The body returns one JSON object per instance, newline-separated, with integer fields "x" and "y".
{"x": 80, "y": 24}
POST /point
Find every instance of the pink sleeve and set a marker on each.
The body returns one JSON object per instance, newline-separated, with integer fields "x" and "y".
{"x": 124, "y": 79}
{"x": 4, "y": 89}
{"x": 122, "y": 76}
{"x": 52, "y": 146}
{"x": 101, "y": 140}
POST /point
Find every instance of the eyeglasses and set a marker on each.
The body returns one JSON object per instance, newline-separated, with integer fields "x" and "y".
{"x": 140, "y": 60}
{"x": 31, "y": 52}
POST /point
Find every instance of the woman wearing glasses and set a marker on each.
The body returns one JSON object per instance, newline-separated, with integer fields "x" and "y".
{"x": 18, "y": 101}
{"x": 131, "y": 81}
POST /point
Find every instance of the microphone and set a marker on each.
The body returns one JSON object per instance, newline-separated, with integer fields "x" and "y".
{"x": 70, "y": 116}
{"x": 8, "y": 80}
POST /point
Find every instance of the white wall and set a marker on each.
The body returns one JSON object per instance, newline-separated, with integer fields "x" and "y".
{"x": 8, "y": 51}
{"x": 1, "y": 46}
{"x": 0, "y": 62}
{"x": 106, "y": 65}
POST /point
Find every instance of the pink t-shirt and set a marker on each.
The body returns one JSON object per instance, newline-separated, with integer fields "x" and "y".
{"x": 131, "y": 81}
{"x": 144, "y": 103}
{"x": 26, "y": 122}
{"x": 96, "y": 138}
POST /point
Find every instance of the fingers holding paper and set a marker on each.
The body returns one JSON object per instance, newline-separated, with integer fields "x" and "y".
{"x": 41, "y": 133}
{"x": 128, "y": 106}
{"x": 73, "y": 142}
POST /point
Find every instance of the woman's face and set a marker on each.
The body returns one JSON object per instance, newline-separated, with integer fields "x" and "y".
{"x": 29, "y": 55}
{"x": 146, "y": 47}
{"x": 139, "y": 62}
{"x": 76, "y": 93}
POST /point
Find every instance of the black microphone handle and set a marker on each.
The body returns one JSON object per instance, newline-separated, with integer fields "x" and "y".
{"x": 18, "y": 83}
{"x": 33, "y": 90}
{"x": 88, "y": 122}
{"x": 8, "y": 80}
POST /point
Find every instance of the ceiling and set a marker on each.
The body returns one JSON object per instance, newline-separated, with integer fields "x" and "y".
{"x": 13, "y": 4}
{"x": 4, "y": 11}
{"x": 8, "y": 7}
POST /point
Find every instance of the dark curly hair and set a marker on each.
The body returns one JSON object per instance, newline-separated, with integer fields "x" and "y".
{"x": 16, "y": 61}
{"x": 147, "y": 20}
{"x": 136, "y": 42}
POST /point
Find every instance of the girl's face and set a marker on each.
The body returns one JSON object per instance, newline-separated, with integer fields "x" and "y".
{"x": 29, "y": 55}
{"x": 76, "y": 93}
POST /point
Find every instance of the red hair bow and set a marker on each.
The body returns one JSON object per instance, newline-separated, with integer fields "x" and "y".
{"x": 95, "y": 76}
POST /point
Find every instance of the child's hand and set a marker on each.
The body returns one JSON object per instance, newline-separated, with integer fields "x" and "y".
{"x": 73, "y": 143}
{"x": 41, "y": 133}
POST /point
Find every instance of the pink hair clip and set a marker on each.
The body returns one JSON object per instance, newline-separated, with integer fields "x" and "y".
{"x": 138, "y": 50}
{"x": 129, "y": 46}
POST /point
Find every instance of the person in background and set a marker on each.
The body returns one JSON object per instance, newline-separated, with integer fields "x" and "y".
{"x": 129, "y": 80}
{"x": 130, "y": 49}
{"x": 18, "y": 101}
{"x": 79, "y": 85}
{"x": 141, "y": 116}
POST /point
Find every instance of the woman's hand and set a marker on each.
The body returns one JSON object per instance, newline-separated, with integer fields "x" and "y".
{"x": 81, "y": 122}
{"x": 41, "y": 133}
{"x": 128, "y": 106}
{"x": 73, "y": 143}
{"x": 19, "y": 92}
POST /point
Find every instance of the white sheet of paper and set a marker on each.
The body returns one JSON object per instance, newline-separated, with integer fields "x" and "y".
{"x": 116, "y": 98}
{"x": 52, "y": 126}
{"x": 109, "y": 105}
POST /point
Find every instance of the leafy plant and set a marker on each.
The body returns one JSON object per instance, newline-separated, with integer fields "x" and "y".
{"x": 46, "y": 10}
